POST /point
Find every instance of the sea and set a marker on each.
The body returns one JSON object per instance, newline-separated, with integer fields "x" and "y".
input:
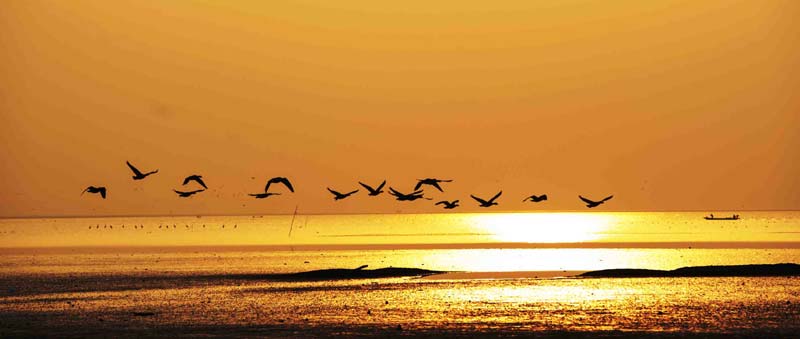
{"x": 502, "y": 275}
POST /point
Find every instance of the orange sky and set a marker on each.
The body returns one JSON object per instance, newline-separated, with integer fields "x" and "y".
{"x": 668, "y": 105}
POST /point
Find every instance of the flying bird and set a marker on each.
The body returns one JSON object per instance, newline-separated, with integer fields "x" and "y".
{"x": 448, "y": 205}
{"x": 536, "y": 198}
{"x": 591, "y": 204}
{"x": 196, "y": 178}
{"x": 263, "y": 195}
{"x": 373, "y": 191}
{"x": 417, "y": 194}
{"x": 138, "y": 175}
{"x": 430, "y": 181}
{"x": 340, "y": 196}
{"x": 92, "y": 189}
{"x": 183, "y": 194}
{"x": 277, "y": 180}
{"x": 490, "y": 203}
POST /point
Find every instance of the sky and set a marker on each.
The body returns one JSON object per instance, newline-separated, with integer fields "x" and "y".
{"x": 667, "y": 105}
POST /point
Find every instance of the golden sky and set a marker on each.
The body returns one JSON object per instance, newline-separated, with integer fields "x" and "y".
{"x": 668, "y": 105}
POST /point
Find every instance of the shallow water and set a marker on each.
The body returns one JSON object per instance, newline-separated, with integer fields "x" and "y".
{"x": 61, "y": 277}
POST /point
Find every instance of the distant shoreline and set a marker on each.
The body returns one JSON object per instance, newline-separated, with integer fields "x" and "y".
{"x": 81, "y": 216}
{"x": 753, "y": 270}
{"x": 402, "y": 246}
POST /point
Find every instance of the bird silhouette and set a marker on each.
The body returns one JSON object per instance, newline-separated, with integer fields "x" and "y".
{"x": 99, "y": 189}
{"x": 373, "y": 191}
{"x": 263, "y": 195}
{"x": 417, "y": 194}
{"x": 448, "y": 205}
{"x": 536, "y": 198}
{"x": 340, "y": 196}
{"x": 138, "y": 175}
{"x": 592, "y": 204}
{"x": 197, "y": 178}
{"x": 183, "y": 194}
{"x": 280, "y": 180}
{"x": 430, "y": 181}
{"x": 490, "y": 203}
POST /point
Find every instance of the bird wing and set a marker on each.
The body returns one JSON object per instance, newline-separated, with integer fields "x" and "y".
{"x": 395, "y": 192}
{"x": 187, "y": 179}
{"x": 349, "y": 193}
{"x": 608, "y": 197}
{"x": 526, "y": 199}
{"x": 417, "y": 192}
{"x": 443, "y": 202}
{"x": 84, "y": 191}
{"x": 436, "y": 184}
{"x": 334, "y": 192}
{"x": 586, "y": 200}
{"x": 479, "y": 199}
{"x": 381, "y": 185}
{"x": 496, "y": 196}
{"x": 200, "y": 181}
{"x": 134, "y": 169}
{"x": 179, "y": 192}
{"x": 370, "y": 189}
{"x": 455, "y": 201}
{"x": 196, "y": 191}
{"x": 288, "y": 184}
{"x": 419, "y": 184}
{"x": 102, "y": 192}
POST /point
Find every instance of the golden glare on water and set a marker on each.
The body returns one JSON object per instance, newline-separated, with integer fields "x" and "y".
{"x": 544, "y": 227}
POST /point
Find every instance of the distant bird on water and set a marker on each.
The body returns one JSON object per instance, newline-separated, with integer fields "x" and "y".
{"x": 196, "y": 178}
{"x": 417, "y": 194}
{"x": 430, "y": 181}
{"x": 263, "y": 195}
{"x": 183, "y": 194}
{"x": 279, "y": 180}
{"x": 138, "y": 175}
{"x": 92, "y": 189}
{"x": 536, "y": 198}
{"x": 591, "y": 204}
{"x": 340, "y": 196}
{"x": 448, "y": 205}
{"x": 490, "y": 203}
{"x": 373, "y": 191}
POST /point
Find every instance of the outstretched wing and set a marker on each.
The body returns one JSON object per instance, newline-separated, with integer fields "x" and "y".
{"x": 587, "y": 200}
{"x": 288, "y": 184}
{"x": 102, "y": 192}
{"x": 349, "y": 193}
{"x": 483, "y": 202}
{"x": 419, "y": 184}
{"x": 370, "y": 189}
{"x": 395, "y": 192}
{"x": 333, "y": 192}
{"x": 200, "y": 181}
{"x": 606, "y": 198}
{"x": 442, "y": 202}
{"x": 381, "y": 185}
{"x": 196, "y": 191}
{"x": 436, "y": 184}
{"x": 496, "y": 196}
{"x": 87, "y": 188}
{"x": 134, "y": 169}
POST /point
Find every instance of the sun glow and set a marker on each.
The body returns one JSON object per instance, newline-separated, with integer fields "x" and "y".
{"x": 544, "y": 227}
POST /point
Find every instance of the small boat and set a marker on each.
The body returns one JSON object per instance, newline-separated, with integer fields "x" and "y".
{"x": 712, "y": 217}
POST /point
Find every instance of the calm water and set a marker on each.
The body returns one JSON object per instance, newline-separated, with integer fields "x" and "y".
{"x": 87, "y": 276}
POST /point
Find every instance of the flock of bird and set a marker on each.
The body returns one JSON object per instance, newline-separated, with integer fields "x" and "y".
{"x": 416, "y": 194}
